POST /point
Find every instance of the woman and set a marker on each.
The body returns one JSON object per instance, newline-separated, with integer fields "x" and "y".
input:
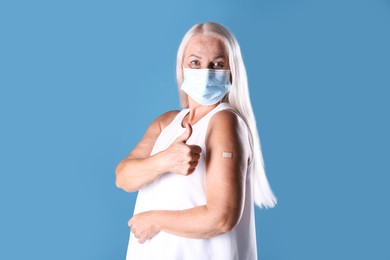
{"x": 199, "y": 170}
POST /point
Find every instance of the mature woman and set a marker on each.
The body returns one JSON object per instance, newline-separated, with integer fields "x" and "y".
{"x": 199, "y": 170}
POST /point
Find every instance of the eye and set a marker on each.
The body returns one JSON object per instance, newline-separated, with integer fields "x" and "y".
{"x": 219, "y": 65}
{"x": 194, "y": 64}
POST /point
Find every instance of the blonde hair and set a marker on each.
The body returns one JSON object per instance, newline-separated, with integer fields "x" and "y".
{"x": 238, "y": 98}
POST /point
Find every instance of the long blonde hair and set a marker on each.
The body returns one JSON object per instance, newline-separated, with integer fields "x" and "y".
{"x": 238, "y": 98}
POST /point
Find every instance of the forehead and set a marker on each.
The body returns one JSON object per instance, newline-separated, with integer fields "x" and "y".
{"x": 201, "y": 44}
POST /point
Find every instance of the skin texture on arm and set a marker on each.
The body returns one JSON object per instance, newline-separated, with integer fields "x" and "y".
{"x": 139, "y": 168}
{"x": 225, "y": 187}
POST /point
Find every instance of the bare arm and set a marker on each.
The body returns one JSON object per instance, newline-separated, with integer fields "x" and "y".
{"x": 225, "y": 178}
{"x": 139, "y": 168}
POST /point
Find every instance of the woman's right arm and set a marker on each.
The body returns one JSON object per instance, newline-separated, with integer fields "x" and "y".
{"x": 140, "y": 168}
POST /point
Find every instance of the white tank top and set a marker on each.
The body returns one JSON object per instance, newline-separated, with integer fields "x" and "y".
{"x": 177, "y": 192}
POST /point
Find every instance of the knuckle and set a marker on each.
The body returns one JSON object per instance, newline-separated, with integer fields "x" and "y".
{"x": 198, "y": 148}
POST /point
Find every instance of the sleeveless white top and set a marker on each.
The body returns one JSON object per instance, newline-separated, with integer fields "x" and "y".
{"x": 177, "y": 192}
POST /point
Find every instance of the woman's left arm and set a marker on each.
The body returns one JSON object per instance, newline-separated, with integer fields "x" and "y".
{"x": 227, "y": 155}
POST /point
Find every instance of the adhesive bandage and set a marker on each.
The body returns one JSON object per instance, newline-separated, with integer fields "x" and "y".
{"x": 227, "y": 154}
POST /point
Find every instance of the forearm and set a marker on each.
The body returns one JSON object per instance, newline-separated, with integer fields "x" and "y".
{"x": 198, "y": 222}
{"x": 132, "y": 174}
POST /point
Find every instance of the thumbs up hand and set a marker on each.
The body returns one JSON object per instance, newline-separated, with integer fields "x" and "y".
{"x": 180, "y": 157}
{"x": 186, "y": 135}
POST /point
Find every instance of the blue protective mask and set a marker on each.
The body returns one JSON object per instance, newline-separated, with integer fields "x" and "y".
{"x": 206, "y": 86}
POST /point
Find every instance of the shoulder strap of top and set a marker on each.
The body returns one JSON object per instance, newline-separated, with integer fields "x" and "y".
{"x": 220, "y": 107}
{"x": 179, "y": 117}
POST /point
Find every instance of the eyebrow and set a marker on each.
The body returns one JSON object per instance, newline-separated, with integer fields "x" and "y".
{"x": 219, "y": 56}
{"x": 195, "y": 56}
{"x": 216, "y": 57}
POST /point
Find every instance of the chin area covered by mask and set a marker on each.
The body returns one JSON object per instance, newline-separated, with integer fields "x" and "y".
{"x": 206, "y": 86}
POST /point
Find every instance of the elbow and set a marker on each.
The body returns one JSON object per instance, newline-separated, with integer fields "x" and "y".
{"x": 120, "y": 180}
{"x": 118, "y": 183}
{"x": 226, "y": 223}
{"x": 227, "y": 226}
{"x": 123, "y": 185}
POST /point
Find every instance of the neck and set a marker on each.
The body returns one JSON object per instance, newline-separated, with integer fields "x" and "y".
{"x": 198, "y": 111}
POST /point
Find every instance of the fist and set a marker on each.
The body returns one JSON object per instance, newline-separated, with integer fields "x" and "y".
{"x": 182, "y": 158}
{"x": 144, "y": 226}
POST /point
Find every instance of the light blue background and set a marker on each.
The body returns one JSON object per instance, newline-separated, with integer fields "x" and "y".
{"x": 80, "y": 81}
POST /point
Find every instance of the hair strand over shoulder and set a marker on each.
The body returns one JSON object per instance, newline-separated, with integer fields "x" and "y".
{"x": 238, "y": 98}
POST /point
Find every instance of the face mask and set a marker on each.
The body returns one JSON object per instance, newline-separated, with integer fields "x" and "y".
{"x": 206, "y": 86}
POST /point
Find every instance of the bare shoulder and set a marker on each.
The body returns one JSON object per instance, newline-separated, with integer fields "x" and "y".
{"x": 227, "y": 121}
{"x": 166, "y": 118}
{"x": 227, "y": 130}
{"x": 227, "y": 135}
{"x": 145, "y": 146}
{"x": 159, "y": 124}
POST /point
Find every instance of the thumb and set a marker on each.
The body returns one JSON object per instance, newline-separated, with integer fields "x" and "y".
{"x": 187, "y": 134}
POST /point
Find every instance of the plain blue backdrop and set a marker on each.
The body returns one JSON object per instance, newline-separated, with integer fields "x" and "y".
{"x": 80, "y": 81}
